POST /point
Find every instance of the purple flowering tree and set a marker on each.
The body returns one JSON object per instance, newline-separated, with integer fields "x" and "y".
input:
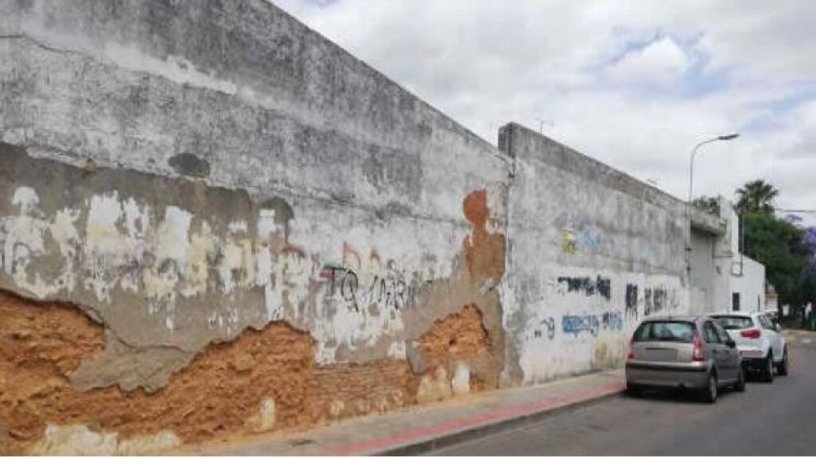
{"x": 809, "y": 241}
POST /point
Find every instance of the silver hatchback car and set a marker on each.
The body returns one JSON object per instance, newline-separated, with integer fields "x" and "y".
{"x": 683, "y": 352}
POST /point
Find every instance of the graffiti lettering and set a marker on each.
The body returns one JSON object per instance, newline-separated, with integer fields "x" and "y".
{"x": 577, "y": 324}
{"x": 546, "y": 325}
{"x": 659, "y": 299}
{"x": 348, "y": 288}
{"x": 583, "y": 240}
{"x": 389, "y": 290}
{"x": 568, "y": 244}
{"x": 601, "y": 286}
{"x": 347, "y": 282}
{"x": 612, "y": 321}
{"x": 631, "y": 301}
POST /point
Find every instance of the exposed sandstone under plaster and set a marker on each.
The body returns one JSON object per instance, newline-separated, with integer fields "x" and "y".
{"x": 226, "y": 390}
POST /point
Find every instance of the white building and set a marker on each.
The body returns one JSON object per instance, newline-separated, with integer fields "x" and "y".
{"x": 722, "y": 278}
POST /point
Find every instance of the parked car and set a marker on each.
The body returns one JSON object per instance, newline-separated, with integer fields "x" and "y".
{"x": 759, "y": 341}
{"x": 683, "y": 352}
{"x": 772, "y": 314}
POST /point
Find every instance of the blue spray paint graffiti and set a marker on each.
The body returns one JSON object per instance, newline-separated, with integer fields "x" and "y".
{"x": 612, "y": 320}
{"x": 575, "y": 325}
{"x": 546, "y": 327}
{"x": 588, "y": 240}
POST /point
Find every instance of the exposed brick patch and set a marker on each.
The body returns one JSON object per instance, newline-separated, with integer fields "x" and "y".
{"x": 484, "y": 251}
{"x": 42, "y": 343}
{"x": 460, "y": 336}
{"x": 347, "y": 390}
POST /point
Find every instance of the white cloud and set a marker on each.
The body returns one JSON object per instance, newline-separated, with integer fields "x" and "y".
{"x": 660, "y": 63}
{"x": 634, "y": 83}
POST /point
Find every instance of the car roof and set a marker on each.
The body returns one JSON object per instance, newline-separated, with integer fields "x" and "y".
{"x": 732, "y": 313}
{"x": 750, "y": 314}
{"x": 677, "y": 318}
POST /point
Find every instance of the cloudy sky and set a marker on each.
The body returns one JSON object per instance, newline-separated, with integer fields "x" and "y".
{"x": 635, "y": 84}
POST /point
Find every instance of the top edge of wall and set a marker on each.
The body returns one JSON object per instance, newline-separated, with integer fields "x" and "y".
{"x": 519, "y": 141}
{"x": 253, "y": 45}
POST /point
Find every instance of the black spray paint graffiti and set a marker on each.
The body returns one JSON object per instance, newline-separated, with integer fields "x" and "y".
{"x": 389, "y": 291}
{"x": 631, "y": 301}
{"x": 601, "y": 286}
{"x": 658, "y": 300}
{"x": 345, "y": 281}
{"x": 612, "y": 320}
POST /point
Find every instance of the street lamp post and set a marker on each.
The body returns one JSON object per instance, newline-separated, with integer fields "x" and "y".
{"x": 694, "y": 151}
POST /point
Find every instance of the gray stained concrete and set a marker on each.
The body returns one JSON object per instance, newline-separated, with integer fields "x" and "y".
{"x": 768, "y": 419}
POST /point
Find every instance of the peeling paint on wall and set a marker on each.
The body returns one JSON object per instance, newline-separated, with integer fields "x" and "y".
{"x": 165, "y": 276}
{"x": 202, "y": 264}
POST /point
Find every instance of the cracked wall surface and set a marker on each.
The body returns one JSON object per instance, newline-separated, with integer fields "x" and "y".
{"x": 592, "y": 251}
{"x": 246, "y": 228}
{"x": 215, "y": 222}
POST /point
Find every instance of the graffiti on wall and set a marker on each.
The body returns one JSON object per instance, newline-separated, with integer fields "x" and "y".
{"x": 541, "y": 328}
{"x": 601, "y": 286}
{"x": 584, "y": 240}
{"x": 659, "y": 300}
{"x": 631, "y": 302}
{"x": 576, "y": 325}
{"x": 387, "y": 290}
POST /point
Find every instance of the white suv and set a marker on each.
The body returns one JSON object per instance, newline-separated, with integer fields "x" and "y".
{"x": 759, "y": 341}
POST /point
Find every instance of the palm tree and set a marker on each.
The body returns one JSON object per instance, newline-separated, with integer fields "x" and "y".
{"x": 756, "y": 196}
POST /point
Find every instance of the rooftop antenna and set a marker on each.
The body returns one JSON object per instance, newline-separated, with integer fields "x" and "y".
{"x": 542, "y": 122}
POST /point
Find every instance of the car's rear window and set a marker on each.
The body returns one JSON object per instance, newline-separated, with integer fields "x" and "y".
{"x": 677, "y": 332}
{"x": 734, "y": 322}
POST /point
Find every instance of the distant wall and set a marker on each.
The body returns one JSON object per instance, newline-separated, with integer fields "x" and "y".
{"x": 749, "y": 282}
{"x": 591, "y": 252}
{"x": 215, "y": 221}
{"x": 702, "y": 266}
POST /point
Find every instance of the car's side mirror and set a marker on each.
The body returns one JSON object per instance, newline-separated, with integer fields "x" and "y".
{"x": 731, "y": 343}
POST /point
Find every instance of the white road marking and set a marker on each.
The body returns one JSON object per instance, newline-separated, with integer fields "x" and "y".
{"x": 805, "y": 340}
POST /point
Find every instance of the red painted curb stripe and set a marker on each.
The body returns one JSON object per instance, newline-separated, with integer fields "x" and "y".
{"x": 414, "y": 435}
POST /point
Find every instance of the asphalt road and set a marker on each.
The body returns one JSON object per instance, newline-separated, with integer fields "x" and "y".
{"x": 767, "y": 419}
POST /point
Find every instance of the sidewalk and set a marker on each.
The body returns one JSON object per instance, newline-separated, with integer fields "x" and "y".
{"x": 798, "y": 332}
{"x": 419, "y": 429}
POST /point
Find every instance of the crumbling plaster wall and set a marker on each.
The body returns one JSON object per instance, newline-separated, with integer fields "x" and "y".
{"x": 222, "y": 200}
{"x": 591, "y": 251}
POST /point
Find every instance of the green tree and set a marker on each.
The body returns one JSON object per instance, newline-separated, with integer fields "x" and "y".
{"x": 777, "y": 244}
{"x": 708, "y": 204}
{"x": 756, "y": 196}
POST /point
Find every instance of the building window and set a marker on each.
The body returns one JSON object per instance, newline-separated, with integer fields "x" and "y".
{"x": 735, "y": 301}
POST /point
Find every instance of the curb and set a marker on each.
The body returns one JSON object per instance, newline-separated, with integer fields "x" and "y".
{"x": 439, "y": 436}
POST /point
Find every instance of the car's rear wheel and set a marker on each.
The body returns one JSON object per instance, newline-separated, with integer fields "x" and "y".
{"x": 768, "y": 371}
{"x": 740, "y": 385}
{"x": 709, "y": 394}
{"x": 633, "y": 390}
{"x": 782, "y": 368}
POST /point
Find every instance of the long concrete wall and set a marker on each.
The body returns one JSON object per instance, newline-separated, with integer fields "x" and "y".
{"x": 591, "y": 251}
{"x": 214, "y": 222}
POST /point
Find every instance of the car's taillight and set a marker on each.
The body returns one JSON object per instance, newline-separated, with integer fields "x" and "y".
{"x": 751, "y": 333}
{"x": 697, "y": 354}
{"x": 631, "y": 354}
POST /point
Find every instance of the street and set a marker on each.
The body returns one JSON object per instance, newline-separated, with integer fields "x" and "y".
{"x": 768, "y": 419}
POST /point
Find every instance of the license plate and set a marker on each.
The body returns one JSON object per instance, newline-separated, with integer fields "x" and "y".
{"x": 660, "y": 355}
